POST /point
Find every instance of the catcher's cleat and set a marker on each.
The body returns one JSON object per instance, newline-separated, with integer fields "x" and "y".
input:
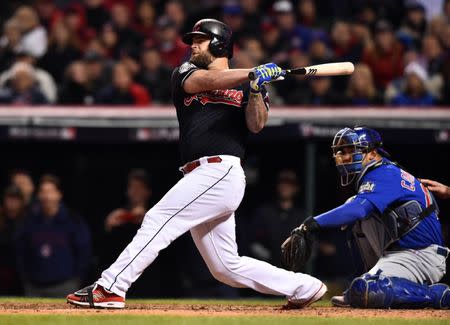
{"x": 95, "y": 296}
{"x": 339, "y": 301}
{"x": 299, "y": 304}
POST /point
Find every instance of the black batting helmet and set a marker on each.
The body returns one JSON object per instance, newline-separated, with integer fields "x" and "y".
{"x": 220, "y": 34}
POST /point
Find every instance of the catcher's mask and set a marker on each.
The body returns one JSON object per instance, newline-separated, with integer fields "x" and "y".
{"x": 350, "y": 145}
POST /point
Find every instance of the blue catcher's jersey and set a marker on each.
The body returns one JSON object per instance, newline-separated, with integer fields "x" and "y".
{"x": 388, "y": 184}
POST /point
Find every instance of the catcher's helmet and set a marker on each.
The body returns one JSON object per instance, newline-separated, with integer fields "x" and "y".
{"x": 360, "y": 140}
{"x": 220, "y": 34}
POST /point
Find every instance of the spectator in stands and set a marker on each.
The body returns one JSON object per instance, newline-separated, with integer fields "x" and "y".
{"x": 48, "y": 12}
{"x": 384, "y": 57}
{"x": 307, "y": 14}
{"x": 319, "y": 51}
{"x": 169, "y": 43}
{"x": 272, "y": 41}
{"x": 75, "y": 20}
{"x": 233, "y": 16}
{"x": 98, "y": 71}
{"x": 296, "y": 90}
{"x": 175, "y": 10}
{"x": 34, "y": 36}
{"x": 434, "y": 60}
{"x": 23, "y": 180}
{"x": 414, "y": 26}
{"x": 415, "y": 88}
{"x": 271, "y": 220}
{"x": 361, "y": 33}
{"x": 22, "y": 88}
{"x": 110, "y": 41}
{"x": 437, "y": 25}
{"x": 62, "y": 51}
{"x": 361, "y": 89}
{"x": 344, "y": 45}
{"x": 123, "y": 90}
{"x": 252, "y": 45}
{"x": 122, "y": 223}
{"x": 44, "y": 81}
{"x": 75, "y": 89}
{"x": 96, "y": 14}
{"x": 293, "y": 34}
{"x": 139, "y": 192}
{"x": 53, "y": 246}
{"x": 321, "y": 93}
{"x": 127, "y": 38}
{"x": 145, "y": 22}
{"x": 12, "y": 213}
{"x": 251, "y": 9}
{"x": 131, "y": 59}
{"x": 9, "y": 43}
{"x": 155, "y": 76}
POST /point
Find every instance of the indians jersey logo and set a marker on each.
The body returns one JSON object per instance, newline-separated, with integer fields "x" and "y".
{"x": 231, "y": 97}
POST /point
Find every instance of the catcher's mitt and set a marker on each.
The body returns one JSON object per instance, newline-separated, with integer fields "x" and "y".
{"x": 297, "y": 249}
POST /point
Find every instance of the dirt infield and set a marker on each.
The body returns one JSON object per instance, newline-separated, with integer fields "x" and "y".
{"x": 220, "y": 310}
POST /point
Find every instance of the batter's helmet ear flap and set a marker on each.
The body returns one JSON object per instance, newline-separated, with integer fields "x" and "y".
{"x": 221, "y": 48}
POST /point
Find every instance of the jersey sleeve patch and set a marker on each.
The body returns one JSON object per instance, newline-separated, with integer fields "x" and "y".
{"x": 366, "y": 187}
{"x": 186, "y": 67}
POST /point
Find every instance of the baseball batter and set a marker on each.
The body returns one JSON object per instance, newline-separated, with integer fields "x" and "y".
{"x": 394, "y": 219}
{"x": 216, "y": 109}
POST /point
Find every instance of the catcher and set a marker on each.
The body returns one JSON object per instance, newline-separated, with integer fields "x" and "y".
{"x": 394, "y": 222}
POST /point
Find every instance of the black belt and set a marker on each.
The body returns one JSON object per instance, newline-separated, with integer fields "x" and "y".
{"x": 443, "y": 251}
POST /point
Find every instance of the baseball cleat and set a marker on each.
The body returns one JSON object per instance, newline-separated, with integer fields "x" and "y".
{"x": 339, "y": 301}
{"x": 95, "y": 296}
{"x": 299, "y": 304}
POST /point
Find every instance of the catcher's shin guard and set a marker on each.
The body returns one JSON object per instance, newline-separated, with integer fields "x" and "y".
{"x": 378, "y": 291}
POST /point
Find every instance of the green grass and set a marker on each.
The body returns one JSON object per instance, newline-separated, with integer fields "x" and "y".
{"x": 204, "y": 320}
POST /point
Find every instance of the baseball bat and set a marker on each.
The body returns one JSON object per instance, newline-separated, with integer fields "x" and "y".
{"x": 319, "y": 70}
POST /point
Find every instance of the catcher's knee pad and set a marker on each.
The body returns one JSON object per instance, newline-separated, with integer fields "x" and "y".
{"x": 378, "y": 291}
{"x": 442, "y": 295}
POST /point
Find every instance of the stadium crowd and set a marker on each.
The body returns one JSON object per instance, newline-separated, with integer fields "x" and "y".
{"x": 122, "y": 52}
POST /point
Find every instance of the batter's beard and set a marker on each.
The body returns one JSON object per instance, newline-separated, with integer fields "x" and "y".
{"x": 202, "y": 60}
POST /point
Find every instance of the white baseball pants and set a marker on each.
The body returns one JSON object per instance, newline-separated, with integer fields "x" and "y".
{"x": 204, "y": 202}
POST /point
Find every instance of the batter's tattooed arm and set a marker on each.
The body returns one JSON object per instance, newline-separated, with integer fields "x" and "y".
{"x": 256, "y": 113}
{"x": 205, "y": 80}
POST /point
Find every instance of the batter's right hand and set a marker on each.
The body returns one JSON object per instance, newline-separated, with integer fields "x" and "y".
{"x": 264, "y": 74}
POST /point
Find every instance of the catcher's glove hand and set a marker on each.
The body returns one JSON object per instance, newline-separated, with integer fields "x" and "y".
{"x": 297, "y": 248}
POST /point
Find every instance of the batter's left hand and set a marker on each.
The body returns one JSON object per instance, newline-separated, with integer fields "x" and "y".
{"x": 264, "y": 74}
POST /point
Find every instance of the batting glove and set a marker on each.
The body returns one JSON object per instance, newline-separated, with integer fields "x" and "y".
{"x": 264, "y": 74}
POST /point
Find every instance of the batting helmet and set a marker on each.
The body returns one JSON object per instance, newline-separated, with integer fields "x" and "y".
{"x": 220, "y": 34}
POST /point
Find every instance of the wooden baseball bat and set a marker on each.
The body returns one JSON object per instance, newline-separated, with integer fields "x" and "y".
{"x": 319, "y": 70}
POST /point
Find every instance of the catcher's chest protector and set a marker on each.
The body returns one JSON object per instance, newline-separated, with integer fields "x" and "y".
{"x": 376, "y": 233}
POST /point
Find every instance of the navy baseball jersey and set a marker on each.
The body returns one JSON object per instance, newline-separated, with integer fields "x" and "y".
{"x": 211, "y": 122}
{"x": 388, "y": 184}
